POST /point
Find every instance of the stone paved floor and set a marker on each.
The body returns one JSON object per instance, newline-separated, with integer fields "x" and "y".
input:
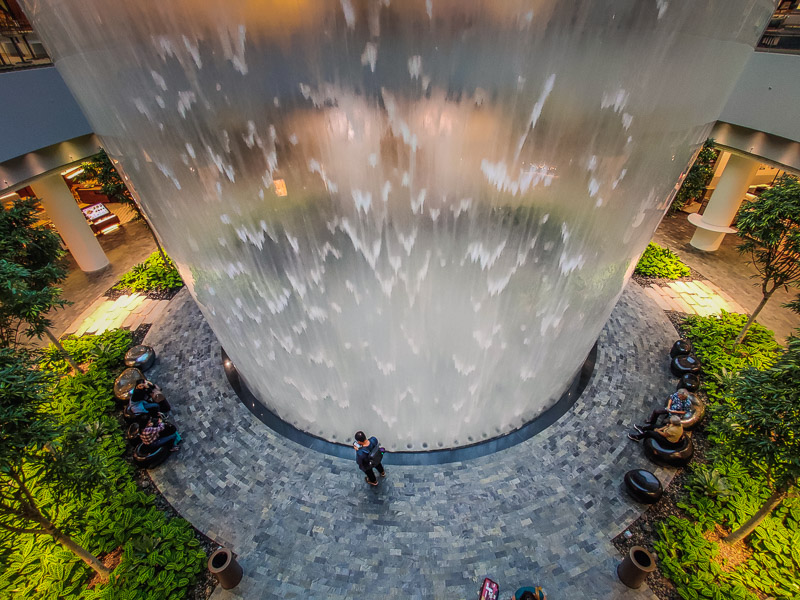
{"x": 124, "y": 248}
{"x": 305, "y": 525}
{"x": 730, "y": 271}
{"x": 695, "y": 297}
{"x": 127, "y": 311}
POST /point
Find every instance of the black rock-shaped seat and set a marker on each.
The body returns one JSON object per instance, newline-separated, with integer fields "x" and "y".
{"x": 678, "y": 456}
{"x": 147, "y": 459}
{"x": 643, "y": 486}
{"x": 693, "y": 417}
{"x": 681, "y": 365}
{"x": 141, "y": 357}
{"x": 689, "y": 381}
{"x": 125, "y": 382}
{"x": 680, "y": 348}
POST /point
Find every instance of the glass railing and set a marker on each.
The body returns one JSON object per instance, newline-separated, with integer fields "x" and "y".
{"x": 783, "y": 31}
{"x": 20, "y": 47}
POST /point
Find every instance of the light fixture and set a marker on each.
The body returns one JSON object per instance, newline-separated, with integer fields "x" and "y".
{"x": 69, "y": 171}
{"x": 75, "y": 173}
{"x": 110, "y": 228}
{"x": 280, "y": 187}
{"x": 9, "y": 195}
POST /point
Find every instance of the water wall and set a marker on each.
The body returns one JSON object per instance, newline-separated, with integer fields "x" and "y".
{"x": 411, "y": 217}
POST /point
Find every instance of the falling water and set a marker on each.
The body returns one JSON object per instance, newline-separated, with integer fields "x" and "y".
{"x": 408, "y": 217}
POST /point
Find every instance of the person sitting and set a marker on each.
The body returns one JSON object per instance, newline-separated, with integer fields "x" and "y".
{"x": 669, "y": 436}
{"x": 154, "y": 437}
{"x": 529, "y": 593}
{"x": 678, "y": 404}
{"x": 147, "y": 397}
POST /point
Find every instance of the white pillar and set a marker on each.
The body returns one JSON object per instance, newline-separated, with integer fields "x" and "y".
{"x": 60, "y": 206}
{"x": 716, "y": 221}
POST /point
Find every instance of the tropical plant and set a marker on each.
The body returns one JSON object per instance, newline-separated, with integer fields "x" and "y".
{"x": 770, "y": 227}
{"x": 707, "y": 481}
{"x": 36, "y": 451}
{"x": 698, "y": 177}
{"x": 661, "y": 262}
{"x": 29, "y": 273}
{"x": 713, "y": 338}
{"x": 758, "y": 424}
{"x": 153, "y": 274}
{"x": 100, "y": 170}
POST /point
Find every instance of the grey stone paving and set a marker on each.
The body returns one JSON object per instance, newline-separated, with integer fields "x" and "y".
{"x": 305, "y": 525}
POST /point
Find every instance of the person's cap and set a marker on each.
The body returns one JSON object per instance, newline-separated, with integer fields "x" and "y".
{"x": 675, "y": 420}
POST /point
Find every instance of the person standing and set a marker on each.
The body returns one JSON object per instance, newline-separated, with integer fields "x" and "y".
{"x": 368, "y": 457}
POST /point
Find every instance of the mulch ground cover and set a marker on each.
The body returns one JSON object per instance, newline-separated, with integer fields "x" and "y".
{"x": 169, "y": 294}
{"x": 647, "y": 281}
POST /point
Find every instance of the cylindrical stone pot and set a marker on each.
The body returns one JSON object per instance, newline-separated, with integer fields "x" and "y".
{"x": 223, "y": 565}
{"x": 636, "y": 567}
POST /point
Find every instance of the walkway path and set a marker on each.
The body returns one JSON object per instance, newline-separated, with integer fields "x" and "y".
{"x": 305, "y": 525}
{"x": 731, "y": 272}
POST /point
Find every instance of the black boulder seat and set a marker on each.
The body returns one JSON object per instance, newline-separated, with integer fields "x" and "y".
{"x": 689, "y": 381}
{"x": 643, "y": 486}
{"x": 147, "y": 459}
{"x": 681, "y": 348}
{"x": 673, "y": 457}
{"x": 681, "y": 365}
{"x": 693, "y": 417}
{"x": 141, "y": 357}
{"x": 125, "y": 382}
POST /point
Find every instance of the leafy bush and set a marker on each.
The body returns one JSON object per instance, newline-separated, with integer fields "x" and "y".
{"x": 688, "y": 559}
{"x": 160, "y": 556}
{"x": 713, "y": 340}
{"x": 152, "y": 274}
{"x": 661, "y": 262}
{"x": 726, "y": 494}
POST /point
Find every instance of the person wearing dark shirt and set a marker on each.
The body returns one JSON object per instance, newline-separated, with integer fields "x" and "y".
{"x": 363, "y": 447}
{"x": 148, "y": 397}
{"x": 153, "y": 437}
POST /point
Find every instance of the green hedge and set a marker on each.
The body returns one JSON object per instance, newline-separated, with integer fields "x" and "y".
{"x": 161, "y": 557}
{"x": 661, "y": 262}
{"x": 152, "y": 274}
{"x": 713, "y": 340}
{"x": 726, "y": 494}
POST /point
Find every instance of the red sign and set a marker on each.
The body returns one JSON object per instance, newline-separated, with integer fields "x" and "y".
{"x": 489, "y": 590}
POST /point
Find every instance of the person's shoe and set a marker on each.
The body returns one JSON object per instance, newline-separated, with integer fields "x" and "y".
{"x": 383, "y": 474}
{"x": 174, "y": 449}
{"x": 635, "y": 439}
{"x": 370, "y": 482}
{"x": 638, "y": 428}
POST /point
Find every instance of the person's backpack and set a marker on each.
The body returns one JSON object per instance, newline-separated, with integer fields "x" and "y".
{"x": 375, "y": 455}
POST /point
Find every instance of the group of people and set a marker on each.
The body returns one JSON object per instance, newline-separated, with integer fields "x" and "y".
{"x": 671, "y": 434}
{"x": 148, "y": 400}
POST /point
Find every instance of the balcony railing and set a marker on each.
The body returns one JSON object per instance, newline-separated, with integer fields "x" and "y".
{"x": 783, "y": 31}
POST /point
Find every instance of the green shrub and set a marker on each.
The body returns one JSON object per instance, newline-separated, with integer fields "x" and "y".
{"x": 152, "y": 274}
{"x": 713, "y": 337}
{"x": 161, "y": 557}
{"x": 661, "y": 262}
{"x": 726, "y": 494}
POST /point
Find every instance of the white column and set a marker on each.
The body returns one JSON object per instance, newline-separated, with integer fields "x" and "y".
{"x": 62, "y": 209}
{"x": 716, "y": 221}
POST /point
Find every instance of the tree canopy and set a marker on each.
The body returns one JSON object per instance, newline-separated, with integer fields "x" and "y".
{"x": 759, "y": 424}
{"x": 770, "y": 228}
{"x": 29, "y": 273}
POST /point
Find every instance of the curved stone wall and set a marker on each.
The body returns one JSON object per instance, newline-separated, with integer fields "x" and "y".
{"x": 409, "y": 217}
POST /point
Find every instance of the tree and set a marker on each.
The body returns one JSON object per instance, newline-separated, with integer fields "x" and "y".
{"x": 759, "y": 424}
{"x": 36, "y": 451}
{"x": 29, "y": 272}
{"x": 100, "y": 171}
{"x": 698, "y": 177}
{"x": 770, "y": 227}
